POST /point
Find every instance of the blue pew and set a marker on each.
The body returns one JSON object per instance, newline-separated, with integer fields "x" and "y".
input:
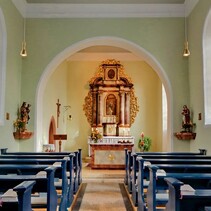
{"x": 63, "y": 164}
{"x": 26, "y": 169}
{"x": 180, "y": 200}
{"x": 44, "y": 183}
{"x": 129, "y": 159}
{"x": 23, "y": 200}
{"x": 142, "y": 181}
{"x": 168, "y": 159}
{"x": 156, "y": 192}
{"x": 131, "y": 164}
{"x": 77, "y": 160}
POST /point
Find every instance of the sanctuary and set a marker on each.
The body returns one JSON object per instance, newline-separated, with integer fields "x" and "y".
{"x": 110, "y": 108}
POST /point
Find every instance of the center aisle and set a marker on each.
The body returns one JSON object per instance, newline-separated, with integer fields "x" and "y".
{"x": 102, "y": 190}
{"x": 102, "y": 196}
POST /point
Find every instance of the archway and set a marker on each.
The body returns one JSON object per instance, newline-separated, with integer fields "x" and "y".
{"x": 206, "y": 68}
{"x": 96, "y": 41}
{"x": 3, "y": 53}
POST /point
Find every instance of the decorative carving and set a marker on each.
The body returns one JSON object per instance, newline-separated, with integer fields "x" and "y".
{"x": 134, "y": 108}
{"x": 185, "y": 135}
{"x": 21, "y": 122}
{"x": 100, "y": 72}
{"x": 22, "y": 135}
{"x": 187, "y": 126}
{"x": 87, "y": 107}
{"x": 111, "y": 95}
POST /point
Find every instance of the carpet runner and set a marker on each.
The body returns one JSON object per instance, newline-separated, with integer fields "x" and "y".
{"x": 102, "y": 196}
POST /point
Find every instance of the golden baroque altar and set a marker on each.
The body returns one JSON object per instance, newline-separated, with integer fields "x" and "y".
{"x": 110, "y": 107}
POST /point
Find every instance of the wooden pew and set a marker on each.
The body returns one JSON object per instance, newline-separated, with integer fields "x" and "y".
{"x": 44, "y": 183}
{"x": 139, "y": 181}
{"x": 77, "y": 160}
{"x": 157, "y": 183}
{"x": 33, "y": 169}
{"x": 77, "y": 163}
{"x": 131, "y": 157}
{"x": 48, "y": 162}
{"x": 20, "y": 199}
{"x": 180, "y": 200}
{"x": 156, "y": 159}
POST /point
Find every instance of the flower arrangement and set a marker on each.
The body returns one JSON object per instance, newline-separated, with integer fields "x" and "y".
{"x": 144, "y": 143}
{"x": 96, "y": 135}
{"x": 23, "y": 118}
{"x": 19, "y": 125}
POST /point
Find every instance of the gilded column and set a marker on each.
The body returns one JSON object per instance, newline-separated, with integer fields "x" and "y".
{"x": 127, "y": 109}
{"x": 122, "y": 108}
{"x": 100, "y": 110}
{"x": 94, "y": 109}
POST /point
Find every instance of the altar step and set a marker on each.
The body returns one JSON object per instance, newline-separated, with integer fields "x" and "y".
{"x": 87, "y": 159}
{"x": 100, "y": 175}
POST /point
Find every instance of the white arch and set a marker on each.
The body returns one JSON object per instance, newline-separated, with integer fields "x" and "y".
{"x": 110, "y": 41}
{"x": 206, "y": 68}
{"x": 3, "y": 53}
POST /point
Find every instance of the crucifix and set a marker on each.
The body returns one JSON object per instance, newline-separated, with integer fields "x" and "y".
{"x": 58, "y": 112}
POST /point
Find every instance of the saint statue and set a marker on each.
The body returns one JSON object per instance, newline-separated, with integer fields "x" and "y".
{"x": 186, "y": 121}
{"x": 24, "y": 114}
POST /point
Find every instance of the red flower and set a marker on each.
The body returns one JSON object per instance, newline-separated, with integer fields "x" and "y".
{"x": 142, "y": 143}
{"x": 142, "y": 136}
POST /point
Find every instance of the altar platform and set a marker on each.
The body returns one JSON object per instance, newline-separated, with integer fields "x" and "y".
{"x": 109, "y": 153}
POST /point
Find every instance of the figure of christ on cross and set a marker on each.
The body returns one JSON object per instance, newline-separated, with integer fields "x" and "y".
{"x": 58, "y": 112}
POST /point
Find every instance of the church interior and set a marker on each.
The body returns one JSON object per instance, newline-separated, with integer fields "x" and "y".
{"x": 100, "y": 77}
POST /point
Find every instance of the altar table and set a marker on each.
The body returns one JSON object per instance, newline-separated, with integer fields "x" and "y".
{"x": 110, "y": 152}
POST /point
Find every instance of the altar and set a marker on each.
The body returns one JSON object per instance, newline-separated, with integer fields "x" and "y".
{"x": 109, "y": 153}
{"x": 110, "y": 107}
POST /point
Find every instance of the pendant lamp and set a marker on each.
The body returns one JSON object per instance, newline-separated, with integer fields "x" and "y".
{"x": 186, "y": 51}
{"x": 23, "y": 52}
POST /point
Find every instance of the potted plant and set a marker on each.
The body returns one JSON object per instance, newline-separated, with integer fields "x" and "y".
{"x": 96, "y": 135}
{"x": 144, "y": 143}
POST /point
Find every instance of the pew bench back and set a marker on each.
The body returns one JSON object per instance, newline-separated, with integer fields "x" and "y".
{"x": 180, "y": 200}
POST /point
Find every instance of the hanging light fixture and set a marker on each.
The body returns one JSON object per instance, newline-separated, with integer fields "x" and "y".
{"x": 23, "y": 52}
{"x": 186, "y": 51}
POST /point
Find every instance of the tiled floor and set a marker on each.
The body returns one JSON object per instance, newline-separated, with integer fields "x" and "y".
{"x": 106, "y": 175}
{"x": 102, "y": 178}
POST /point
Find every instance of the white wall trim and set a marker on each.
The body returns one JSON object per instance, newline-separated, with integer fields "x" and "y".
{"x": 138, "y": 51}
{"x": 3, "y": 53}
{"x": 189, "y": 6}
{"x": 30, "y": 10}
{"x": 206, "y": 45}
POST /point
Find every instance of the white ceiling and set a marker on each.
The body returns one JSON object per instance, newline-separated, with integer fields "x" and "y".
{"x": 104, "y": 8}
{"x": 106, "y": 1}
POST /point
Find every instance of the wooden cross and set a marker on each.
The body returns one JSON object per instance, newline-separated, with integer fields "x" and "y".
{"x": 58, "y": 112}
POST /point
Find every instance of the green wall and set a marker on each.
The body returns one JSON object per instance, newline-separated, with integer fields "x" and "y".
{"x": 162, "y": 38}
{"x": 196, "y": 27}
{"x": 14, "y": 30}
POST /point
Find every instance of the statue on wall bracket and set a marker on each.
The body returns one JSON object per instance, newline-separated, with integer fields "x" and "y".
{"x": 111, "y": 105}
